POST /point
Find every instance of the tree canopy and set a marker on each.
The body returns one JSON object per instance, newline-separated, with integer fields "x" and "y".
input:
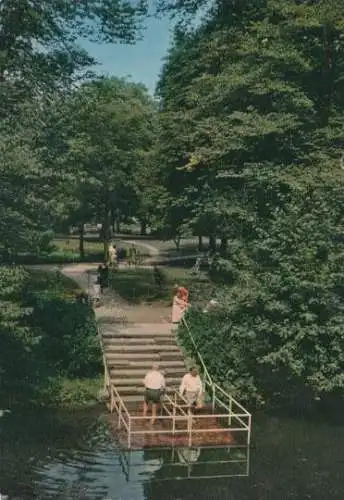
{"x": 243, "y": 144}
{"x": 252, "y": 121}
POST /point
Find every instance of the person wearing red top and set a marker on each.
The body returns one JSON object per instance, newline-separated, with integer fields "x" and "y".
{"x": 180, "y": 303}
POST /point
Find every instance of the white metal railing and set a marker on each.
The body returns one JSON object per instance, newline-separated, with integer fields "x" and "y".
{"x": 177, "y": 419}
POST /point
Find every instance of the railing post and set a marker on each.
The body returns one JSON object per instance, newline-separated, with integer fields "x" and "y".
{"x": 230, "y": 406}
{"x": 174, "y": 420}
{"x": 129, "y": 433}
{"x": 249, "y": 431}
{"x": 213, "y": 397}
{"x": 120, "y": 415}
{"x": 190, "y": 427}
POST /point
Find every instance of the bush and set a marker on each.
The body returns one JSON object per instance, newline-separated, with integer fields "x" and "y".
{"x": 68, "y": 335}
{"x": 228, "y": 353}
{"x": 45, "y": 242}
{"x": 47, "y": 334}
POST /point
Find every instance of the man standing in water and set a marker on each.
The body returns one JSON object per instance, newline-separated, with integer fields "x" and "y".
{"x": 191, "y": 388}
{"x": 155, "y": 384}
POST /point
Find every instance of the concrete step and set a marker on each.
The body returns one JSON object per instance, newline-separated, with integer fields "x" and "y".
{"x": 138, "y": 341}
{"x": 137, "y": 381}
{"x": 140, "y": 330}
{"x": 123, "y": 358}
{"x": 139, "y": 373}
{"x": 141, "y": 348}
{"x": 156, "y": 328}
{"x": 170, "y": 364}
{"x": 139, "y": 335}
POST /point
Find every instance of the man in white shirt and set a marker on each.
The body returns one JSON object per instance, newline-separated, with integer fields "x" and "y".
{"x": 191, "y": 388}
{"x": 155, "y": 384}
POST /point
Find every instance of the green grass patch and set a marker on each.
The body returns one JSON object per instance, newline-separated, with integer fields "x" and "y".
{"x": 139, "y": 286}
{"x": 77, "y": 392}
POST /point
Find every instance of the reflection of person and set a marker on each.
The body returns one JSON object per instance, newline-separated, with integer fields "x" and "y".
{"x": 154, "y": 383}
{"x": 180, "y": 303}
{"x": 191, "y": 388}
{"x": 188, "y": 455}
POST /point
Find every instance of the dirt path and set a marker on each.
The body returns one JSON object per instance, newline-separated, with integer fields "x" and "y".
{"x": 153, "y": 251}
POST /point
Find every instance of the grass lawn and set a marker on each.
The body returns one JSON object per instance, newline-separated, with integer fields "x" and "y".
{"x": 70, "y": 246}
{"x": 138, "y": 285}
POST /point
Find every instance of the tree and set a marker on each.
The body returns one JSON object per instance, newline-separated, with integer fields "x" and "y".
{"x": 256, "y": 116}
{"x": 39, "y": 64}
{"x": 112, "y": 120}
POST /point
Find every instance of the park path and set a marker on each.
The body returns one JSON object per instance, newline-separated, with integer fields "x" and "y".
{"x": 133, "y": 338}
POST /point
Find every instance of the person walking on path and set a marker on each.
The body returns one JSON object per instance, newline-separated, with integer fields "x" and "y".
{"x": 155, "y": 384}
{"x": 112, "y": 255}
{"x": 191, "y": 388}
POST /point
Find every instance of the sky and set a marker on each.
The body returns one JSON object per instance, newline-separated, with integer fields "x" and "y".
{"x": 141, "y": 62}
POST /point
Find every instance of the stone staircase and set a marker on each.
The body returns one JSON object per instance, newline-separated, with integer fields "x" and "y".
{"x": 130, "y": 352}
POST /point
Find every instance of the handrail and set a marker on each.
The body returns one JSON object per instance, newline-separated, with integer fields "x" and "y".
{"x": 100, "y": 337}
{"x": 179, "y": 407}
{"x": 205, "y": 371}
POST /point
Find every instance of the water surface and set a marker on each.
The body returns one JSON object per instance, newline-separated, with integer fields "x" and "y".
{"x": 72, "y": 455}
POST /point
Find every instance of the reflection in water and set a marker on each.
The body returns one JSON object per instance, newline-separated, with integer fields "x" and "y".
{"x": 188, "y": 455}
{"x": 72, "y": 456}
{"x": 187, "y": 463}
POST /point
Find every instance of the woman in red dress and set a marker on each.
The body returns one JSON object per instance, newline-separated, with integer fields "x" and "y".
{"x": 180, "y": 303}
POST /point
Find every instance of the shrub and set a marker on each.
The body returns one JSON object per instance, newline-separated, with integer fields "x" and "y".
{"x": 45, "y": 242}
{"x": 69, "y": 335}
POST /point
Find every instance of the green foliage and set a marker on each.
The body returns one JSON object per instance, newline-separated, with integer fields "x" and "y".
{"x": 251, "y": 113}
{"x": 65, "y": 392}
{"x": 68, "y": 335}
{"x": 46, "y": 336}
{"x": 111, "y": 124}
{"x": 40, "y": 62}
{"x": 278, "y": 336}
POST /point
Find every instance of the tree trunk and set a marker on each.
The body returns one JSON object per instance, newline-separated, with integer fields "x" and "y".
{"x": 224, "y": 246}
{"x": 81, "y": 242}
{"x": 143, "y": 228}
{"x": 212, "y": 243}
{"x": 200, "y": 243}
{"x": 113, "y": 221}
{"x": 177, "y": 240}
{"x": 118, "y": 225}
